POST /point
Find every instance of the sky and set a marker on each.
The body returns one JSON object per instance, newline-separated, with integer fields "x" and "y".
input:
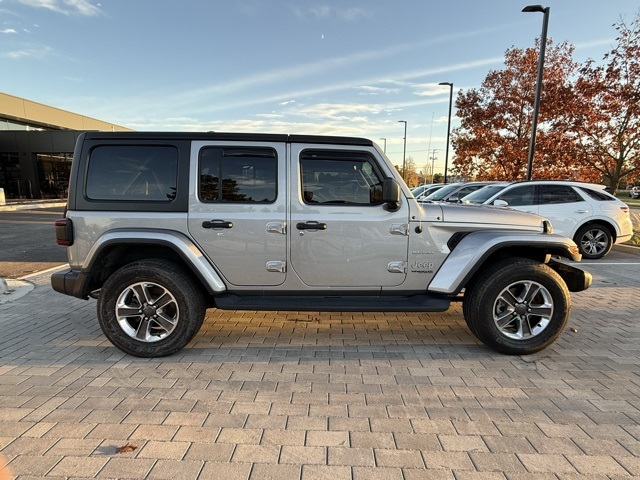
{"x": 334, "y": 67}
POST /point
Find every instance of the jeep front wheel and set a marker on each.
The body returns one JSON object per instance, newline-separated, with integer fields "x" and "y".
{"x": 150, "y": 308}
{"x": 517, "y": 306}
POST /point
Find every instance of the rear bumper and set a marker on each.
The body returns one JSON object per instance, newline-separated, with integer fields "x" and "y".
{"x": 70, "y": 283}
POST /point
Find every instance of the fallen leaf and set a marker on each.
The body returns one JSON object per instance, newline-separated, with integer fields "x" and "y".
{"x": 129, "y": 447}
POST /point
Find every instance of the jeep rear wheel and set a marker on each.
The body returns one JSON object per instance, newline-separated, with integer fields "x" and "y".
{"x": 517, "y": 306}
{"x": 150, "y": 308}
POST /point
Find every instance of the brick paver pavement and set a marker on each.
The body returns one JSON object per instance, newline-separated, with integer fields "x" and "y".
{"x": 265, "y": 395}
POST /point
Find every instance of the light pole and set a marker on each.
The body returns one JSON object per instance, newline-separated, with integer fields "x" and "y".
{"x": 446, "y": 155}
{"x": 385, "y": 145}
{"x": 536, "y": 103}
{"x": 404, "y": 152}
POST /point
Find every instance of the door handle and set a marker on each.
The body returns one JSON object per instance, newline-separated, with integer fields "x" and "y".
{"x": 582, "y": 211}
{"x": 311, "y": 226}
{"x": 217, "y": 224}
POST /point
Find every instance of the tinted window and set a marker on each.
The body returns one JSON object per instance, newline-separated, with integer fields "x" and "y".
{"x": 339, "y": 177}
{"x": 232, "y": 174}
{"x": 549, "y": 194}
{"x": 133, "y": 172}
{"x": 519, "y": 196}
{"x": 443, "y": 192}
{"x": 598, "y": 194}
{"x": 464, "y": 191}
{"x": 483, "y": 194}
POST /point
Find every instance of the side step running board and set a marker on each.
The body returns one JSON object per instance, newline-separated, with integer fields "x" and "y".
{"x": 333, "y": 303}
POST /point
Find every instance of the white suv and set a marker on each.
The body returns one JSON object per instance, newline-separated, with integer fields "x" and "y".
{"x": 593, "y": 218}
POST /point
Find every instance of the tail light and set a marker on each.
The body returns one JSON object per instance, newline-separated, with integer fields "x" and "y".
{"x": 64, "y": 232}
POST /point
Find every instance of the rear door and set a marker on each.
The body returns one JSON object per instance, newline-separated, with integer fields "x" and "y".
{"x": 238, "y": 209}
{"x": 564, "y": 207}
{"x": 341, "y": 233}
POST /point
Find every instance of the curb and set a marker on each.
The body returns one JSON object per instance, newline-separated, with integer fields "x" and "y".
{"x": 12, "y": 207}
{"x": 632, "y": 249}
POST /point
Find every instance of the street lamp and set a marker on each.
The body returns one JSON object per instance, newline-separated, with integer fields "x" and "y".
{"x": 385, "y": 145}
{"x": 536, "y": 103}
{"x": 446, "y": 155}
{"x": 404, "y": 152}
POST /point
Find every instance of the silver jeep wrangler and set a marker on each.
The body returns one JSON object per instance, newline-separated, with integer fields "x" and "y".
{"x": 161, "y": 226}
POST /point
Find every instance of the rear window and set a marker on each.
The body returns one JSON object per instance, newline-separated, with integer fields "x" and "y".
{"x": 238, "y": 175}
{"x": 552, "y": 194}
{"x": 132, "y": 173}
{"x": 599, "y": 195}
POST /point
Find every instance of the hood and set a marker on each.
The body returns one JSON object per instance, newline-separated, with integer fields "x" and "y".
{"x": 489, "y": 215}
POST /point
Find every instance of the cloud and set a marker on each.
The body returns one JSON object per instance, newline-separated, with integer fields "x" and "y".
{"x": 430, "y": 89}
{"x": 30, "y": 52}
{"x": 65, "y": 7}
{"x": 326, "y": 11}
{"x": 8, "y": 30}
{"x": 371, "y": 90}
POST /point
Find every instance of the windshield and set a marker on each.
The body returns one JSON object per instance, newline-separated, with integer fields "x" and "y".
{"x": 443, "y": 192}
{"x": 482, "y": 195}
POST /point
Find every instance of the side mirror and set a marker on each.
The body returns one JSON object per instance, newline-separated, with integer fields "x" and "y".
{"x": 500, "y": 203}
{"x": 391, "y": 193}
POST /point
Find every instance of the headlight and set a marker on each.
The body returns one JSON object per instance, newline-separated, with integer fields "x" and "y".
{"x": 547, "y": 227}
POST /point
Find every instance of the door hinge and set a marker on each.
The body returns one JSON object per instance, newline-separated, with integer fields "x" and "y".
{"x": 278, "y": 266}
{"x": 399, "y": 229}
{"x": 277, "y": 227}
{"x": 397, "y": 267}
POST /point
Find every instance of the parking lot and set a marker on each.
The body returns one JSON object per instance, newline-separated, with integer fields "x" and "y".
{"x": 324, "y": 396}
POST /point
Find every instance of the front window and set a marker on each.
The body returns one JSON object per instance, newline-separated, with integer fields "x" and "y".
{"x": 519, "y": 196}
{"x": 329, "y": 177}
{"x": 443, "y": 193}
{"x": 480, "y": 196}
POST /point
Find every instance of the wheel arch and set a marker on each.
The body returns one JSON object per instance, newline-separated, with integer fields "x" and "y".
{"x": 116, "y": 249}
{"x": 598, "y": 221}
{"x": 477, "y": 252}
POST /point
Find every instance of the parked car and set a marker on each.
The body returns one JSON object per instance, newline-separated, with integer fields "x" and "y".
{"x": 634, "y": 192}
{"x": 160, "y": 226}
{"x": 585, "y": 212}
{"x": 483, "y": 194}
{"x": 454, "y": 192}
{"x": 429, "y": 190}
{"x": 432, "y": 187}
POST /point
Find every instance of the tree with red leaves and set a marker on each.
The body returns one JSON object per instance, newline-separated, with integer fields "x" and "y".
{"x": 588, "y": 124}
{"x": 607, "y": 127}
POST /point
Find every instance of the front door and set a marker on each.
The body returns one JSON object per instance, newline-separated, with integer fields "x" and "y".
{"x": 341, "y": 234}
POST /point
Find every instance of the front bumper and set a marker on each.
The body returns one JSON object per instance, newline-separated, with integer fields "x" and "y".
{"x": 576, "y": 279}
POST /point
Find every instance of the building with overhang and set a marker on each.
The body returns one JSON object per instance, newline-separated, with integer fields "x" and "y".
{"x": 36, "y": 146}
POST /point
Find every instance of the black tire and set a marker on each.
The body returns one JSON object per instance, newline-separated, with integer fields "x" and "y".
{"x": 594, "y": 241}
{"x": 517, "y": 306}
{"x": 150, "y": 308}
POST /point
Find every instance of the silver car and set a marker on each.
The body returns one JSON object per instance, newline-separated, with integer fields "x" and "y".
{"x": 454, "y": 192}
